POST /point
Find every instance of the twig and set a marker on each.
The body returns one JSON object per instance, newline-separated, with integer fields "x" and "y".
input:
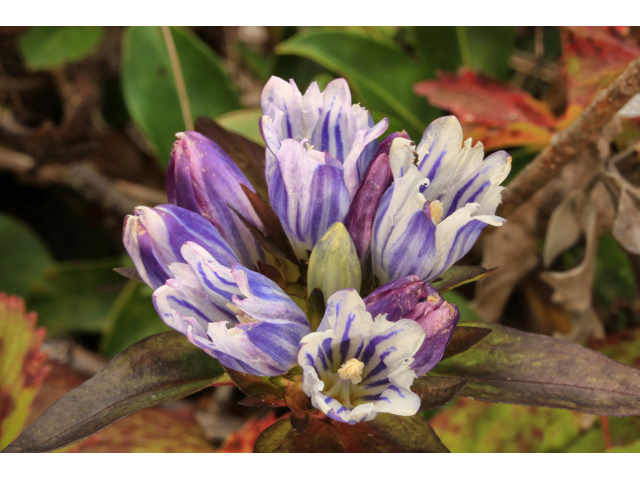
{"x": 566, "y": 144}
{"x": 177, "y": 75}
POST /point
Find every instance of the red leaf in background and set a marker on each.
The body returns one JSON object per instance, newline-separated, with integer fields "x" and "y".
{"x": 477, "y": 98}
{"x": 593, "y": 57}
{"x": 497, "y": 114}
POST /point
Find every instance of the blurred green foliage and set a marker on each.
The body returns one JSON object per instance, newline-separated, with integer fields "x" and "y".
{"x": 52, "y": 47}
{"x": 23, "y": 257}
{"x": 149, "y": 86}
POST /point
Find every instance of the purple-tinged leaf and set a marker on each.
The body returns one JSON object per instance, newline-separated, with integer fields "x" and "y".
{"x": 464, "y": 337}
{"x": 155, "y": 370}
{"x": 437, "y": 391}
{"x": 459, "y": 275}
{"x": 510, "y": 366}
{"x": 253, "y": 385}
{"x": 387, "y": 433}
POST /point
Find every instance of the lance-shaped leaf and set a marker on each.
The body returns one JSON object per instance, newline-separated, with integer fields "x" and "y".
{"x": 464, "y": 337}
{"x": 155, "y": 370}
{"x": 459, "y": 275}
{"x": 510, "y": 366}
{"x": 437, "y": 391}
{"x": 387, "y": 433}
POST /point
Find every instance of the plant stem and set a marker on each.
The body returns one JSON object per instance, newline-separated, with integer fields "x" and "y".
{"x": 177, "y": 75}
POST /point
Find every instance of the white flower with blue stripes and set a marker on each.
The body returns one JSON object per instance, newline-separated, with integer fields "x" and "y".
{"x": 355, "y": 366}
{"x": 441, "y": 199}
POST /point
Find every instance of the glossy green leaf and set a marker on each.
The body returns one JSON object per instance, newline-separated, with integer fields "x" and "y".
{"x": 132, "y": 318}
{"x": 437, "y": 391}
{"x": 383, "y": 77}
{"x": 510, "y": 366}
{"x": 51, "y": 47}
{"x": 76, "y": 296}
{"x": 253, "y": 385}
{"x": 243, "y": 122}
{"x": 23, "y": 257}
{"x": 156, "y": 370}
{"x": 386, "y": 433}
{"x": 149, "y": 87}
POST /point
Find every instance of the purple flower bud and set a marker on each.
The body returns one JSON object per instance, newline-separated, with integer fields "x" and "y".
{"x": 410, "y": 298}
{"x": 202, "y": 178}
{"x": 153, "y": 238}
{"x": 363, "y": 208}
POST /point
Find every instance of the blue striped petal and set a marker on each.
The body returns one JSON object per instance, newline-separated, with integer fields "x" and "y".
{"x": 202, "y": 178}
{"x": 355, "y": 367}
{"x": 308, "y": 193}
{"x": 153, "y": 238}
{"x": 236, "y": 315}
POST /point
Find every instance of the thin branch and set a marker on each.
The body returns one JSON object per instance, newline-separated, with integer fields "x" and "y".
{"x": 177, "y": 75}
{"x": 566, "y": 144}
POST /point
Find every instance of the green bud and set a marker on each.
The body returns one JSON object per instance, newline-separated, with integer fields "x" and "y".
{"x": 334, "y": 263}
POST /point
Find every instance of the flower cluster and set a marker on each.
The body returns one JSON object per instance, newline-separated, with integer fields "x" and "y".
{"x": 357, "y": 211}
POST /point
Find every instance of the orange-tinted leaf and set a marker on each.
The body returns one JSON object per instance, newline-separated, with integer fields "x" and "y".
{"x": 495, "y": 113}
{"x": 243, "y": 440}
{"x": 593, "y": 57}
{"x": 22, "y": 365}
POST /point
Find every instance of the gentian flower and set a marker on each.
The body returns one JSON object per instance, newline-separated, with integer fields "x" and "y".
{"x": 319, "y": 146}
{"x": 153, "y": 238}
{"x": 202, "y": 178}
{"x": 441, "y": 198}
{"x": 356, "y": 366}
{"x": 234, "y": 314}
{"x": 409, "y": 297}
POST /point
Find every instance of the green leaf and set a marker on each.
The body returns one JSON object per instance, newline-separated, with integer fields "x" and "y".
{"x": 386, "y": 433}
{"x": 156, "y": 370}
{"x": 510, "y": 366}
{"x": 614, "y": 275}
{"x": 51, "y": 47}
{"x": 437, "y": 391}
{"x": 149, "y": 87}
{"x": 383, "y": 77}
{"x": 459, "y": 275}
{"x": 438, "y": 49}
{"x": 23, "y": 257}
{"x": 131, "y": 319}
{"x": 483, "y": 49}
{"x": 243, "y": 122}
{"x": 76, "y": 296}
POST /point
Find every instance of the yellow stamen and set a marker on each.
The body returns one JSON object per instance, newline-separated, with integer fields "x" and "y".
{"x": 352, "y": 370}
{"x": 436, "y": 211}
